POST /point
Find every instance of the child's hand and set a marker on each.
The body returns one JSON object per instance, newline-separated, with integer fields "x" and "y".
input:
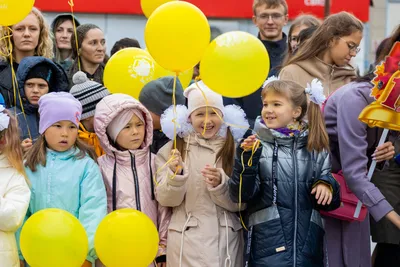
{"x": 26, "y": 145}
{"x": 212, "y": 176}
{"x": 323, "y": 194}
{"x": 248, "y": 143}
{"x": 87, "y": 264}
{"x": 176, "y": 164}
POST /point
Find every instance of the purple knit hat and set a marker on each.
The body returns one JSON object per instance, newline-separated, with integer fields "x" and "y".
{"x": 55, "y": 107}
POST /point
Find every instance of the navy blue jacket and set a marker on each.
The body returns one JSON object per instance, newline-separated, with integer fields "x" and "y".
{"x": 285, "y": 227}
{"x": 29, "y": 122}
{"x": 252, "y": 104}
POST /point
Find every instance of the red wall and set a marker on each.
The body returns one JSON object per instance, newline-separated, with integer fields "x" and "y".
{"x": 212, "y": 8}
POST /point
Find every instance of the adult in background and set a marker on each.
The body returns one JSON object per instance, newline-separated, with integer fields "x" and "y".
{"x": 269, "y": 16}
{"x": 30, "y": 37}
{"x": 124, "y": 43}
{"x": 300, "y": 23}
{"x": 63, "y": 28}
{"x": 326, "y": 56}
{"x": 91, "y": 52}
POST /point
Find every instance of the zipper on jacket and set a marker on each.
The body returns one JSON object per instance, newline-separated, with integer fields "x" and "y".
{"x": 136, "y": 181}
{"x": 295, "y": 203}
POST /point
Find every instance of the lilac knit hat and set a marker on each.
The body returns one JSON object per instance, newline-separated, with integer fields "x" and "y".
{"x": 55, "y": 107}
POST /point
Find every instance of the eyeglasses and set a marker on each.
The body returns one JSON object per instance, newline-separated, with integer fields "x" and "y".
{"x": 352, "y": 47}
{"x": 274, "y": 16}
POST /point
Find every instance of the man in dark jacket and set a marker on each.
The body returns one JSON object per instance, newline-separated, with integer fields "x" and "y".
{"x": 269, "y": 16}
{"x": 156, "y": 96}
{"x": 36, "y": 76}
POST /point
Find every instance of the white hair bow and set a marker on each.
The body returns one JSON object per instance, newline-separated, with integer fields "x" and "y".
{"x": 316, "y": 92}
{"x": 4, "y": 119}
{"x": 269, "y": 80}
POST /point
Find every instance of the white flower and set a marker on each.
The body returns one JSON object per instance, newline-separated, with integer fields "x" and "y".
{"x": 269, "y": 80}
{"x": 316, "y": 92}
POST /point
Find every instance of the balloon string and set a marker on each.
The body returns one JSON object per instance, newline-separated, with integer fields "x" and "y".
{"x": 71, "y": 4}
{"x": 254, "y": 148}
{"x": 14, "y": 80}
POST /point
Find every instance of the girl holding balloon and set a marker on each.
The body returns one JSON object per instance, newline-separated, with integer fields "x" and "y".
{"x": 193, "y": 180}
{"x": 61, "y": 172}
{"x": 14, "y": 190}
{"x": 125, "y": 130}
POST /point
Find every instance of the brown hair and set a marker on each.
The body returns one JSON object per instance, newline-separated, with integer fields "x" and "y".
{"x": 387, "y": 45}
{"x": 81, "y": 32}
{"x": 37, "y": 154}
{"x": 334, "y": 27}
{"x": 226, "y": 153}
{"x": 270, "y": 4}
{"x": 45, "y": 45}
{"x": 306, "y": 20}
{"x": 12, "y": 145}
{"x": 317, "y": 137}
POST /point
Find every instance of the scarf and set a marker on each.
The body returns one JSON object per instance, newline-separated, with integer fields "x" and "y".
{"x": 91, "y": 139}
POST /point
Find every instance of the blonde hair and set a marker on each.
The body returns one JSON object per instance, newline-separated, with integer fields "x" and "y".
{"x": 45, "y": 45}
{"x": 270, "y": 4}
{"x": 318, "y": 137}
{"x": 12, "y": 145}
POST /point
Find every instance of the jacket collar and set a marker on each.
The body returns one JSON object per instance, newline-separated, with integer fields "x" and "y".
{"x": 66, "y": 155}
{"x": 279, "y": 46}
{"x": 214, "y": 144}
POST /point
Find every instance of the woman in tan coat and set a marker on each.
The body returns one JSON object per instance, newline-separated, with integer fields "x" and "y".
{"x": 204, "y": 229}
{"x": 327, "y": 54}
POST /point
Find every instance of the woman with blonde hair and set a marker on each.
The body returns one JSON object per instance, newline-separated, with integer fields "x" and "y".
{"x": 30, "y": 37}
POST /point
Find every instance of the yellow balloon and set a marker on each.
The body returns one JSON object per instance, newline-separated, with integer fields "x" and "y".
{"x": 235, "y": 64}
{"x": 128, "y": 71}
{"x": 177, "y": 35}
{"x": 184, "y": 77}
{"x": 126, "y": 237}
{"x": 14, "y": 11}
{"x": 148, "y": 6}
{"x": 54, "y": 237}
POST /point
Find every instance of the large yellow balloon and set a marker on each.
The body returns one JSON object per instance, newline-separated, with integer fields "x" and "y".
{"x": 126, "y": 237}
{"x": 148, "y": 6}
{"x": 177, "y": 35}
{"x": 54, "y": 237}
{"x": 14, "y": 11}
{"x": 235, "y": 64}
{"x": 184, "y": 77}
{"x": 128, "y": 71}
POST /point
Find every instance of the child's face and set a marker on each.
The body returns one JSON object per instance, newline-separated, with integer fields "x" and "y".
{"x": 212, "y": 124}
{"x": 61, "y": 136}
{"x": 34, "y": 89}
{"x": 278, "y": 111}
{"x": 132, "y": 136}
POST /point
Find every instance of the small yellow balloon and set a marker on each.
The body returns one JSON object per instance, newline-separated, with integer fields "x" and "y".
{"x": 126, "y": 236}
{"x": 148, "y": 6}
{"x": 235, "y": 64}
{"x": 177, "y": 35}
{"x": 128, "y": 71}
{"x": 184, "y": 77}
{"x": 54, "y": 237}
{"x": 14, "y": 11}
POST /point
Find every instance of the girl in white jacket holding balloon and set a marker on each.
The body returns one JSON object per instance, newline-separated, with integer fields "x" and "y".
{"x": 14, "y": 190}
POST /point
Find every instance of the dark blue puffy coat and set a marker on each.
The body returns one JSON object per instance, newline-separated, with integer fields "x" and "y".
{"x": 285, "y": 227}
{"x": 29, "y": 123}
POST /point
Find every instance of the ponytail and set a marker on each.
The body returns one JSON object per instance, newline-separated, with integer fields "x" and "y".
{"x": 318, "y": 139}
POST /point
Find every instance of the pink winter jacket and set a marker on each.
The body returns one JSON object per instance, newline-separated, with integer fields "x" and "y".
{"x": 134, "y": 182}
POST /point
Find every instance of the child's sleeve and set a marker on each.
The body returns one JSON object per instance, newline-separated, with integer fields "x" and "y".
{"x": 220, "y": 194}
{"x": 171, "y": 189}
{"x": 250, "y": 176}
{"x": 14, "y": 204}
{"x": 327, "y": 178}
{"x": 93, "y": 202}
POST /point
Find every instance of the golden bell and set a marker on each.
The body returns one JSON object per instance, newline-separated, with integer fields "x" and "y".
{"x": 383, "y": 113}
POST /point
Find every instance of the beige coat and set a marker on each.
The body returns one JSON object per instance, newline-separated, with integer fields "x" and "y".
{"x": 331, "y": 76}
{"x": 14, "y": 202}
{"x": 203, "y": 224}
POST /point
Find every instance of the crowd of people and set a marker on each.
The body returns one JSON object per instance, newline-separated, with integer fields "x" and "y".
{"x": 219, "y": 194}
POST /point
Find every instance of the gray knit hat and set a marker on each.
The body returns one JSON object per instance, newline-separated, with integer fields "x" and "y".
{"x": 89, "y": 93}
{"x": 156, "y": 96}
